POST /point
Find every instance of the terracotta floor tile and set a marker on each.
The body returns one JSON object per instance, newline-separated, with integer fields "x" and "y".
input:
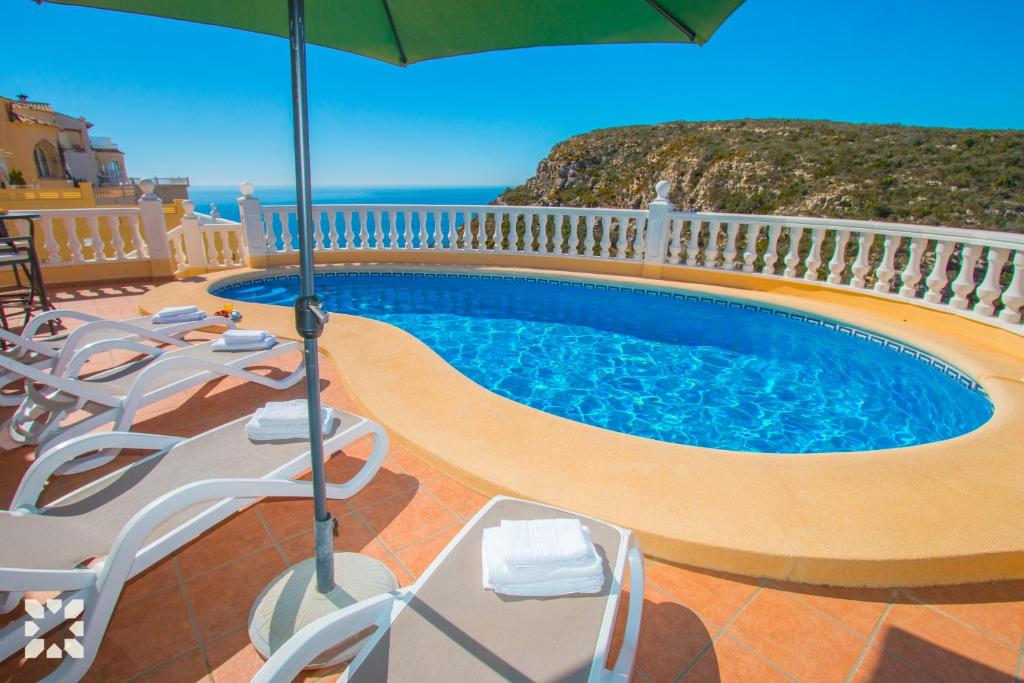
{"x": 462, "y": 500}
{"x": 943, "y": 647}
{"x": 984, "y": 606}
{"x": 188, "y": 668}
{"x": 715, "y": 597}
{"x": 390, "y": 480}
{"x": 856, "y": 608}
{"x": 233, "y": 658}
{"x": 671, "y": 637}
{"x": 729, "y": 661}
{"x": 160, "y": 576}
{"x": 236, "y": 536}
{"x": 221, "y": 599}
{"x": 352, "y": 536}
{"x": 418, "y": 556}
{"x": 879, "y": 667}
{"x": 406, "y": 518}
{"x": 289, "y": 517}
{"x": 144, "y": 633}
{"x": 413, "y": 465}
{"x": 798, "y": 639}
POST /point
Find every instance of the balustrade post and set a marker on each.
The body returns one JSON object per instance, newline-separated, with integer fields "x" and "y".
{"x": 154, "y": 232}
{"x": 1013, "y": 295}
{"x": 656, "y": 241}
{"x": 192, "y": 239}
{"x": 964, "y": 283}
{"x": 988, "y": 291}
{"x": 254, "y": 236}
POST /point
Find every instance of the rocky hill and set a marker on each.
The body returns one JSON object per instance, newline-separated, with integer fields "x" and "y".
{"x": 940, "y": 176}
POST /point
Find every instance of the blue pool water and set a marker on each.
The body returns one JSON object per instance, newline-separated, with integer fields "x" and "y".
{"x": 659, "y": 366}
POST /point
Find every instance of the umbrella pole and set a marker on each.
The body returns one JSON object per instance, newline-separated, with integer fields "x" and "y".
{"x": 309, "y": 318}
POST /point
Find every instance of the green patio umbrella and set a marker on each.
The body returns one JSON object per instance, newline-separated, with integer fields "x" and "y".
{"x": 403, "y": 32}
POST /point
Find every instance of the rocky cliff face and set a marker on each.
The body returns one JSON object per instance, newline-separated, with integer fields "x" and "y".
{"x": 968, "y": 178}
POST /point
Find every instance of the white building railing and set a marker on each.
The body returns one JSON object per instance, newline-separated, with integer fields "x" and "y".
{"x": 973, "y": 272}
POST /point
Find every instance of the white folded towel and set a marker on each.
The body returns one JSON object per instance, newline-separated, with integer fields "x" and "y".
{"x": 252, "y": 340}
{"x": 551, "y": 580}
{"x": 173, "y": 311}
{"x": 538, "y": 542}
{"x": 280, "y": 420}
{"x": 178, "y": 314}
{"x": 234, "y": 337}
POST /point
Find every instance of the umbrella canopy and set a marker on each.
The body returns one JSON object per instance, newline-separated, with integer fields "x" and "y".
{"x": 400, "y": 32}
{"x": 410, "y": 31}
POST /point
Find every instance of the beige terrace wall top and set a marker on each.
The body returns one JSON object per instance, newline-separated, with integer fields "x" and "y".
{"x": 945, "y": 512}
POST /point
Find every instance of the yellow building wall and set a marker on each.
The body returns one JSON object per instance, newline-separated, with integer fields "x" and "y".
{"x": 20, "y": 139}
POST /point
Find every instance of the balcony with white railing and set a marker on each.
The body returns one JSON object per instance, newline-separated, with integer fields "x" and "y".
{"x": 979, "y": 273}
{"x": 975, "y": 273}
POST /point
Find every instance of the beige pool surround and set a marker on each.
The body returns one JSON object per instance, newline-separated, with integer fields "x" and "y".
{"x": 946, "y": 512}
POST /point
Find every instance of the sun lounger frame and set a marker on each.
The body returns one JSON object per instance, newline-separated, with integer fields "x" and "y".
{"x": 101, "y": 585}
{"x": 327, "y": 632}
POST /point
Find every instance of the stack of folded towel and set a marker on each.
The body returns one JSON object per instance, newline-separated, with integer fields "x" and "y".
{"x": 244, "y": 340}
{"x": 279, "y": 420}
{"x": 178, "y": 314}
{"x": 541, "y": 557}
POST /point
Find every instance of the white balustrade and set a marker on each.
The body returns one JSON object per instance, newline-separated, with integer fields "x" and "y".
{"x": 792, "y": 259}
{"x": 886, "y": 269}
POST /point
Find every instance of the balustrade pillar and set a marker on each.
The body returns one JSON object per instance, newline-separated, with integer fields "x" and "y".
{"x": 989, "y": 289}
{"x": 863, "y": 263}
{"x": 938, "y": 278}
{"x": 814, "y": 255}
{"x": 792, "y": 259}
{"x": 254, "y": 236}
{"x": 192, "y": 239}
{"x": 837, "y": 264}
{"x": 153, "y": 229}
{"x": 886, "y": 270}
{"x": 655, "y": 242}
{"x": 911, "y": 274}
{"x": 964, "y": 283}
{"x": 1013, "y": 295}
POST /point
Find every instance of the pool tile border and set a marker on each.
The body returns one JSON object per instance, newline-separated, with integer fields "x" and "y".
{"x": 836, "y": 326}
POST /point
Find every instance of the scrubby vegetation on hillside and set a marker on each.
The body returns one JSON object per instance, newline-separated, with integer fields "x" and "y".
{"x": 940, "y": 176}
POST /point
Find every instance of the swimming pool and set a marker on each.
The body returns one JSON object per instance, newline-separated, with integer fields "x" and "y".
{"x": 665, "y": 365}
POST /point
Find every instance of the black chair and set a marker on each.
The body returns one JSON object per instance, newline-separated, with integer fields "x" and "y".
{"x": 28, "y": 291}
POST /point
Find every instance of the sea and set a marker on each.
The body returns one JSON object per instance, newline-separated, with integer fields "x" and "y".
{"x": 226, "y": 196}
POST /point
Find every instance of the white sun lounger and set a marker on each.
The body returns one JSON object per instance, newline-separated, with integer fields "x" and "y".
{"x": 115, "y": 395}
{"x": 54, "y": 351}
{"x": 140, "y": 514}
{"x": 447, "y": 627}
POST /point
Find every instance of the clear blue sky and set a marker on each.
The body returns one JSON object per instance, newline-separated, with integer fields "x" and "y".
{"x": 213, "y": 103}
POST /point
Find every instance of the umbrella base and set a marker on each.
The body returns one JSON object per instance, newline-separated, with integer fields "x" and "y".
{"x": 291, "y": 602}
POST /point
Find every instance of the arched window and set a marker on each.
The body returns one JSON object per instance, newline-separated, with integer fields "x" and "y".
{"x": 46, "y": 160}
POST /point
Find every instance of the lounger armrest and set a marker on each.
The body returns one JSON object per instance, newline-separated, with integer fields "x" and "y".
{"x": 79, "y": 337}
{"x": 67, "y": 385}
{"x": 24, "y": 345}
{"x": 49, "y": 461}
{"x": 627, "y": 652}
{"x": 324, "y": 633}
{"x": 46, "y": 317}
{"x": 369, "y": 470}
{"x": 135, "y": 532}
{"x": 71, "y": 362}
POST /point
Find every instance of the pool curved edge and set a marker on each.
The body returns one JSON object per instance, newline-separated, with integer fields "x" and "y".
{"x": 945, "y": 512}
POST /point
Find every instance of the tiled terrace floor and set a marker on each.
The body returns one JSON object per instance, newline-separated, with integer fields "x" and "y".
{"x": 185, "y": 619}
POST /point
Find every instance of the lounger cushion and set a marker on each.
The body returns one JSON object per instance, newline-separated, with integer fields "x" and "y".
{"x": 86, "y": 524}
{"x": 454, "y": 630}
